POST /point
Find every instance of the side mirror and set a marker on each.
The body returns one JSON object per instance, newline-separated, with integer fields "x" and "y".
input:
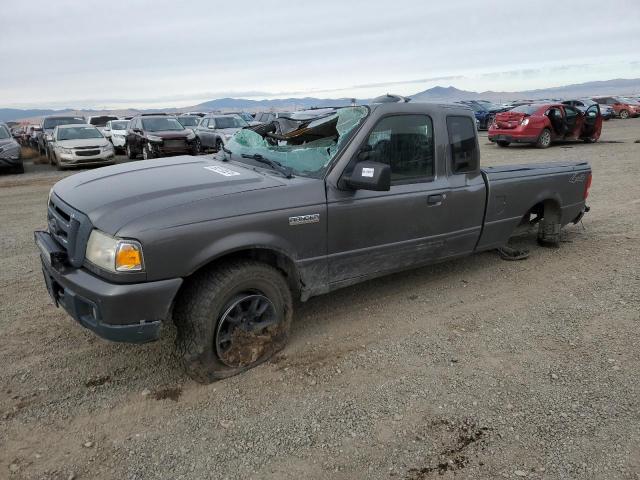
{"x": 370, "y": 176}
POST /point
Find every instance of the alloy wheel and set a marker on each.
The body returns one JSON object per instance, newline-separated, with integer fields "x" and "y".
{"x": 245, "y": 329}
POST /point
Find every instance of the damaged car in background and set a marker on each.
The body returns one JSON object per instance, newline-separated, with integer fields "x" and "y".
{"x": 214, "y": 131}
{"x": 10, "y": 151}
{"x": 541, "y": 124}
{"x": 116, "y": 132}
{"x": 159, "y": 135}
{"x": 223, "y": 245}
{"x": 48, "y": 125}
{"x": 80, "y": 145}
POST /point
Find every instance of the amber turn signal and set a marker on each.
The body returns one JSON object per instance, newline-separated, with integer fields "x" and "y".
{"x": 128, "y": 257}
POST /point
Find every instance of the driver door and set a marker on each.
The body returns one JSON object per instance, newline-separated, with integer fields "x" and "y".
{"x": 372, "y": 232}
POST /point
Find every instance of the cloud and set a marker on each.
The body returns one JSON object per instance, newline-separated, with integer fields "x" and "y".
{"x": 90, "y": 53}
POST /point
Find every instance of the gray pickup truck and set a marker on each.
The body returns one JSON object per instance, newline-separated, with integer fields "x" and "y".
{"x": 223, "y": 245}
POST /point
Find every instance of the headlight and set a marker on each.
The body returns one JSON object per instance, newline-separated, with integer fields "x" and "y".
{"x": 114, "y": 254}
{"x": 66, "y": 151}
{"x": 48, "y": 137}
{"x": 153, "y": 138}
{"x": 107, "y": 147}
{"x": 524, "y": 122}
{"x": 191, "y": 135}
{"x": 227, "y": 136}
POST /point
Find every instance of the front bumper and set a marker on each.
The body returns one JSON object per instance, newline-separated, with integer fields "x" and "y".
{"x": 131, "y": 313}
{"x": 167, "y": 149}
{"x": 69, "y": 159}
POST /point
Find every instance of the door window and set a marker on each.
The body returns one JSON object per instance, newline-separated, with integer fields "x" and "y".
{"x": 462, "y": 144}
{"x": 405, "y": 143}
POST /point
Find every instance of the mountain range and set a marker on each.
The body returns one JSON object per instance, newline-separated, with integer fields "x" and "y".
{"x": 618, "y": 86}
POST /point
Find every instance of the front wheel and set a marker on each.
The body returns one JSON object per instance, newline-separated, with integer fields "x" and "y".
{"x": 502, "y": 143}
{"x": 147, "y": 154}
{"x": 231, "y": 319}
{"x": 544, "y": 140}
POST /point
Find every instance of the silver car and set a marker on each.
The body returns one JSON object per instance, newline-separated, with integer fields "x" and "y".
{"x": 214, "y": 131}
{"x": 80, "y": 145}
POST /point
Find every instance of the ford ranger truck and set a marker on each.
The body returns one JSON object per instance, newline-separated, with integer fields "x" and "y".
{"x": 222, "y": 245}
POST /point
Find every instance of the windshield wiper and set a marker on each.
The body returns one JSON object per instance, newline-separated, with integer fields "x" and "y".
{"x": 286, "y": 171}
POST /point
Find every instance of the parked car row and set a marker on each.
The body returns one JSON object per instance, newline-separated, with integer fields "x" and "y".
{"x": 67, "y": 140}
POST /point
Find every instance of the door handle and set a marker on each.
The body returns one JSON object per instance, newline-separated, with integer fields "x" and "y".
{"x": 435, "y": 199}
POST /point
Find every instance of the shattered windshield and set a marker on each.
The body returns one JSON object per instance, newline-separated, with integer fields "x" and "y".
{"x": 305, "y": 146}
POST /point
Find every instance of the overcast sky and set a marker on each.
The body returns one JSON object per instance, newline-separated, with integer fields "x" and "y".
{"x": 149, "y": 53}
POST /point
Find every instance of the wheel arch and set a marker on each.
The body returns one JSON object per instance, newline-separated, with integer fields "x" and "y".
{"x": 268, "y": 254}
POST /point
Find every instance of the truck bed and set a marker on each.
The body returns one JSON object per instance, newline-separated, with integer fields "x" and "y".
{"x": 515, "y": 190}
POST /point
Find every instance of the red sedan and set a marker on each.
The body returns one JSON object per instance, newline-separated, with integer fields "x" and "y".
{"x": 541, "y": 124}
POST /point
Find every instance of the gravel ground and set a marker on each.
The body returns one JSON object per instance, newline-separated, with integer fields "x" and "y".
{"x": 478, "y": 368}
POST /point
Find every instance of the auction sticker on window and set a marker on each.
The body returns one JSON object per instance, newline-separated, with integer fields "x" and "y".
{"x": 222, "y": 171}
{"x": 368, "y": 172}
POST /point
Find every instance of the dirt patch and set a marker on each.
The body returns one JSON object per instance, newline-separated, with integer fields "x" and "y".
{"x": 169, "y": 393}
{"x": 97, "y": 381}
{"x": 455, "y": 455}
{"x": 28, "y": 153}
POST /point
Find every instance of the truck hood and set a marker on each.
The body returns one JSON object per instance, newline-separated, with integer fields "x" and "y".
{"x": 114, "y": 196}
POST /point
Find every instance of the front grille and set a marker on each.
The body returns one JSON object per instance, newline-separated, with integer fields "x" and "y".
{"x": 174, "y": 144}
{"x": 87, "y": 153}
{"x": 70, "y": 228}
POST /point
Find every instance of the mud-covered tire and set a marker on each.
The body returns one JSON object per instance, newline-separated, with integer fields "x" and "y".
{"x": 549, "y": 234}
{"x": 544, "y": 140}
{"x": 204, "y": 300}
{"x": 503, "y": 143}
